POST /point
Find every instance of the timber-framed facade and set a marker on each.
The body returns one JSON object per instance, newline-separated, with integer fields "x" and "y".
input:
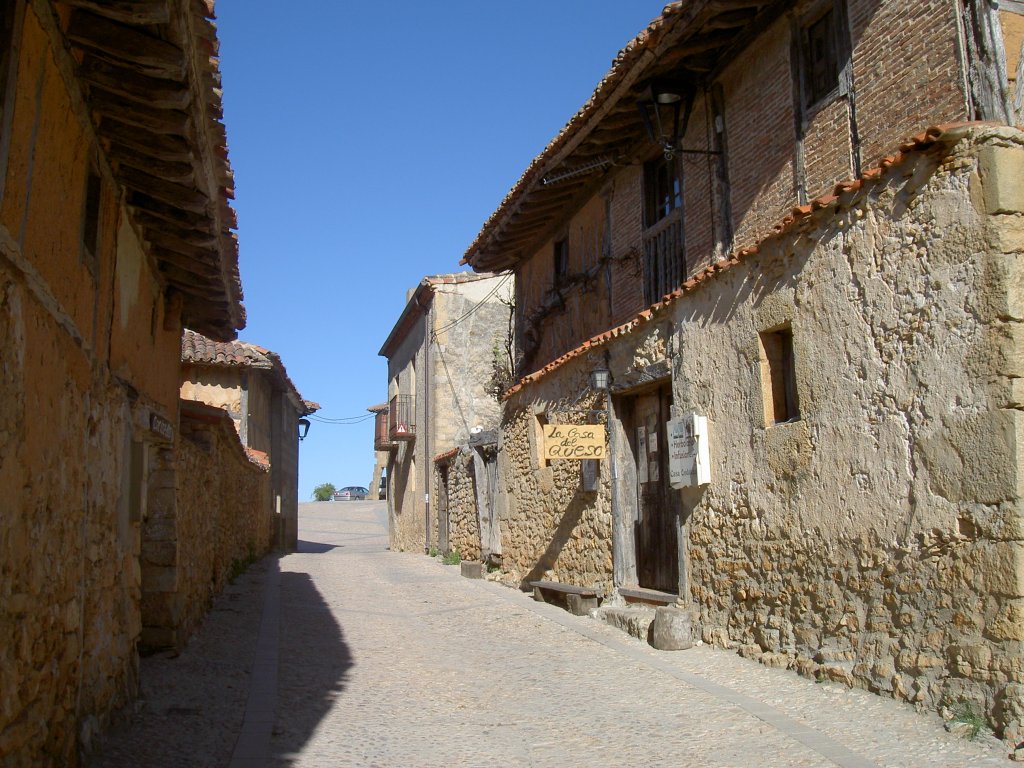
{"x": 843, "y": 314}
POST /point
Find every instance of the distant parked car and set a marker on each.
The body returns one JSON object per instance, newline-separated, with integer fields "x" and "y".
{"x": 351, "y": 493}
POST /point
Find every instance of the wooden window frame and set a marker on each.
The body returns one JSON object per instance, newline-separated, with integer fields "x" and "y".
{"x": 664, "y": 237}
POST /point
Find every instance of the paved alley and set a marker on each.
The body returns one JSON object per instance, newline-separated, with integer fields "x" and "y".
{"x": 345, "y": 654}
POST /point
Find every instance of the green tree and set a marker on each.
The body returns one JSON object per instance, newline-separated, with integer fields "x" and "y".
{"x": 324, "y": 492}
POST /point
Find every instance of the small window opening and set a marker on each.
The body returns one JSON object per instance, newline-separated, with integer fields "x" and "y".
{"x": 821, "y": 59}
{"x": 91, "y": 219}
{"x": 561, "y": 262}
{"x": 778, "y": 377}
{"x": 664, "y": 189}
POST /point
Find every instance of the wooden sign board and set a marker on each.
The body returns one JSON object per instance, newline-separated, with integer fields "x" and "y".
{"x": 575, "y": 441}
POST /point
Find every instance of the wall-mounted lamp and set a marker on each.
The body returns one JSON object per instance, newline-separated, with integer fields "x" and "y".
{"x": 303, "y": 428}
{"x": 665, "y": 106}
{"x": 600, "y": 379}
{"x": 660, "y": 105}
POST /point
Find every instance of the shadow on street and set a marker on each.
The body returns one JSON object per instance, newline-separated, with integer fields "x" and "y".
{"x": 313, "y": 665}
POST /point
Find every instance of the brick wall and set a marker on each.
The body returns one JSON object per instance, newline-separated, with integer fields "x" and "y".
{"x": 906, "y": 70}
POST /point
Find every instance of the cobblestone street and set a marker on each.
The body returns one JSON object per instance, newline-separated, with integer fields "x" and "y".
{"x": 345, "y": 654}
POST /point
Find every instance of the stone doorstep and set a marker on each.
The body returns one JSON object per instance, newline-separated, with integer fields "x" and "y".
{"x": 472, "y": 569}
{"x": 665, "y": 628}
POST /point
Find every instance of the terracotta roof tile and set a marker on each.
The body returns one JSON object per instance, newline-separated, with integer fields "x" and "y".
{"x": 446, "y": 455}
{"x": 197, "y": 349}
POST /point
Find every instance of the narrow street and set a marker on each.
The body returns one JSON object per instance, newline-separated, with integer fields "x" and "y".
{"x": 363, "y": 657}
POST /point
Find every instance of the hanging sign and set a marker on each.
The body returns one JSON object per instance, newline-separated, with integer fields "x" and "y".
{"x": 575, "y": 441}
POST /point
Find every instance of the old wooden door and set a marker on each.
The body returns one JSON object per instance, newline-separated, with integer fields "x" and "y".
{"x": 657, "y": 558}
{"x": 442, "y": 509}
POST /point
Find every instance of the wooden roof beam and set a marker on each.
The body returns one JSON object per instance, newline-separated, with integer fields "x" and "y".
{"x": 180, "y": 173}
{"x": 129, "y": 84}
{"x": 140, "y": 201}
{"x": 120, "y": 43}
{"x": 178, "y": 195}
{"x": 153, "y": 119}
{"x": 165, "y": 147}
{"x": 127, "y": 11}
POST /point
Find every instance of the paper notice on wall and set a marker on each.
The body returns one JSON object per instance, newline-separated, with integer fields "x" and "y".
{"x": 652, "y": 471}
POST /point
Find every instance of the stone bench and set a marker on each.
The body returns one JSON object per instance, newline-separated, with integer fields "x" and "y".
{"x": 580, "y": 600}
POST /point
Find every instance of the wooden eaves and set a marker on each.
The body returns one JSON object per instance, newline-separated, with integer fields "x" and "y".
{"x": 690, "y": 40}
{"x": 150, "y": 80}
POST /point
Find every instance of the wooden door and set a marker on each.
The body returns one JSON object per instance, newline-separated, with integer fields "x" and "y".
{"x": 442, "y": 509}
{"x": 657, "y": 543}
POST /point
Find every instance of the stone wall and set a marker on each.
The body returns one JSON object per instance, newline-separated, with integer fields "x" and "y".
{"x": 89, "y": 353}
{"x": 210, "y": 516}
{"x": 463, "y": 518}
{"x": 550, "y": 528}
{"x": 876, "y": 538}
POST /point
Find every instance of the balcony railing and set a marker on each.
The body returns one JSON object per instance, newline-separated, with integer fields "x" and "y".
{"x": 381, "y": 439}
{"x": 664, "y": 258}
{"x": 402, "y": 418}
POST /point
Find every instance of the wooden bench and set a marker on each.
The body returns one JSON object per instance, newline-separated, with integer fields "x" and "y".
{"x": 580, "y": 600}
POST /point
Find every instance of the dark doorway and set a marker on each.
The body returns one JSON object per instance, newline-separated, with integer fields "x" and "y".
{"x": 657, "y": 559}
{"x": 442, "y": 509}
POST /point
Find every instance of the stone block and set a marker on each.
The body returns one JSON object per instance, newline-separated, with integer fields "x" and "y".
{"x": 1008, "y": 623}
{"x": 634, "y": 620}
{"x": 580, "y": 605}
{"x": 159, "y": 579}
{"x": 1001, "y": 568}
{"x": 672, "y": 629}
{"x": 474, "y": 569}
{"x": 1002, "y": 179}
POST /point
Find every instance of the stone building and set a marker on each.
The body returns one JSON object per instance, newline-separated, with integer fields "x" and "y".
{"x": 737, "y": 227}
{"x": 252, "y": 385}
{"x": 115, "y": 231}
{"x": 445, "y": 353}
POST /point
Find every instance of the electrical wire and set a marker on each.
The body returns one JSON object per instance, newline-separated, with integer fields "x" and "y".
{"x": 471, "y": 310}
{"x": 343, "y": 421}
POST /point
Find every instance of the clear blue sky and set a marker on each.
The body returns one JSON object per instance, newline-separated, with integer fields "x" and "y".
{"x": 370, "y": 141}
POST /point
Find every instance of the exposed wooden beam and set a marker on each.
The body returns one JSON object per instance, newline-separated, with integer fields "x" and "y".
{"x": 166, "y": 122}
{"x": 140, "y": 201}
{"x": 168, "y": 170}
{"x": 168, "y": 242}
{"x": 127, "y": 11}
{"x": 120, "y": 43}
{"x": 163, "y": 147}
{"x": 729, "y": 19}
{"x": 700, "y": 43}
{"x": 184, "y": 271}
{"x": 178, "y": 195}
{"x": 129, "y": 84}
{"x": 195, "y": 237}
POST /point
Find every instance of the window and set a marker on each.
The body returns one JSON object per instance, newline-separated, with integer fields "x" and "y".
{"x": 561, "y": 263}
{"x": 91, "y": 219}
{"x": 778, "y": 377}
{"x": 8, "y": 56}
{"x": 664, "y": 190}
{"x": 664, "y": 243}
{"x": 820, "y": 59}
